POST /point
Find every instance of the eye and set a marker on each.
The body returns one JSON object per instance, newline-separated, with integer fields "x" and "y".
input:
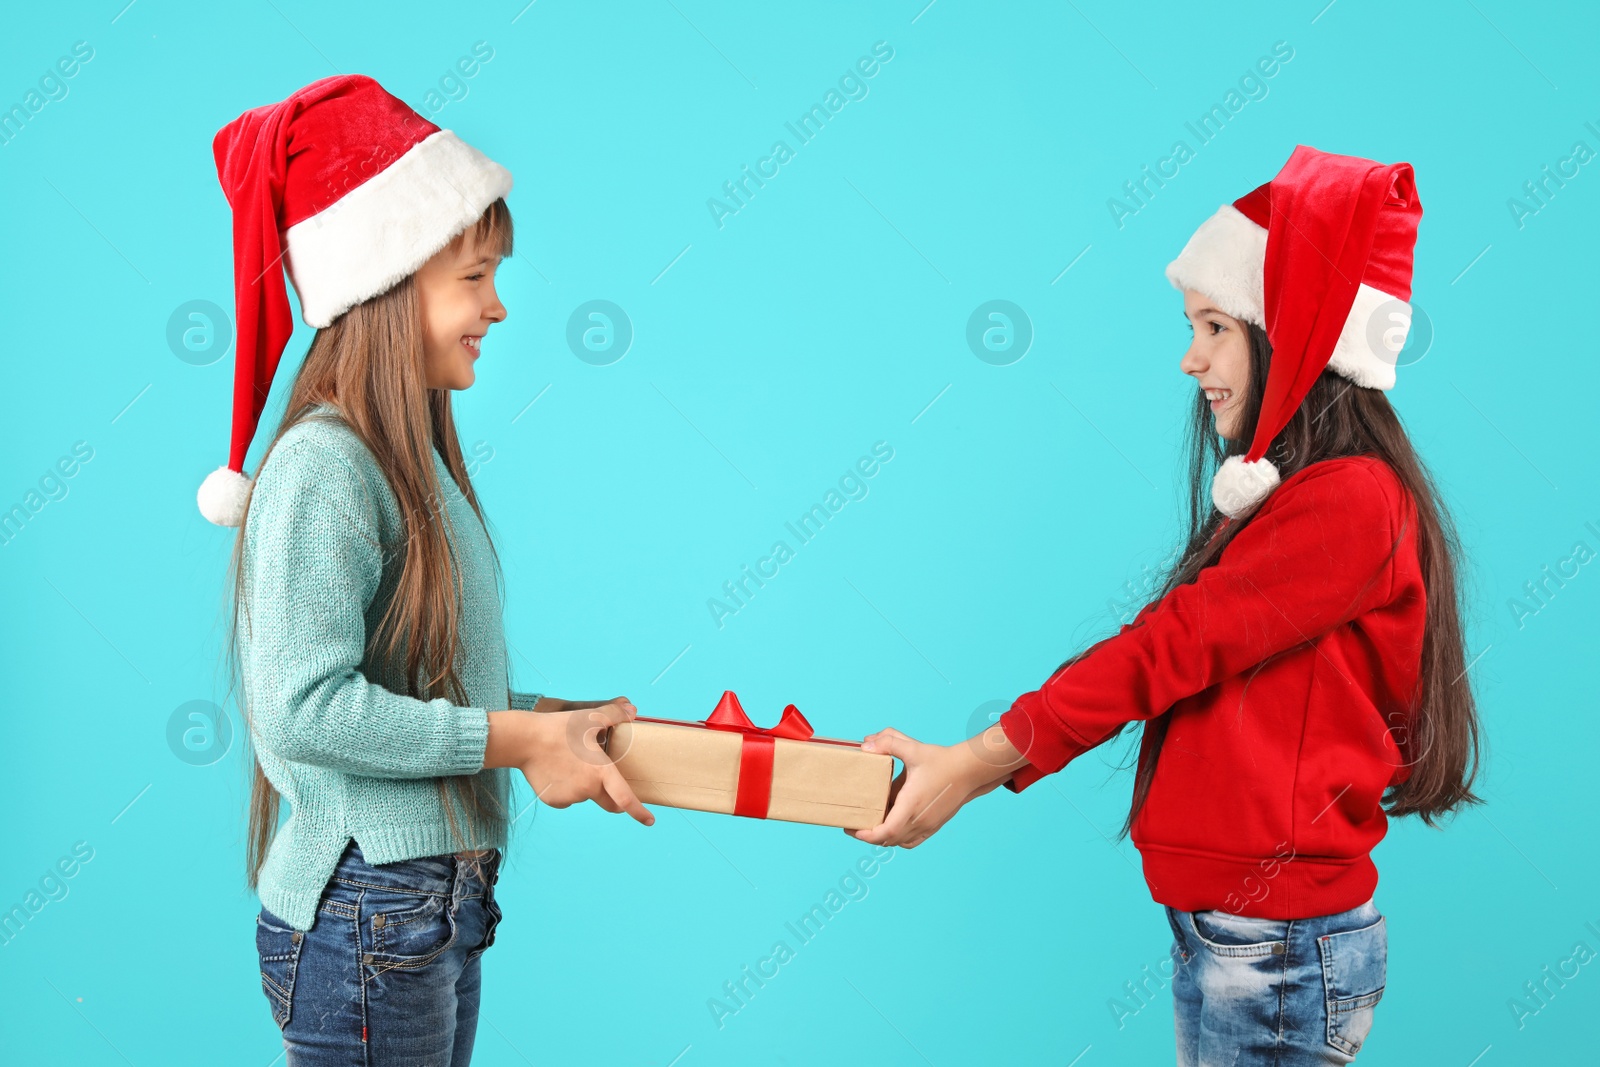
{"x": 474, "y": 277}
{"x": 1216, "y": 328}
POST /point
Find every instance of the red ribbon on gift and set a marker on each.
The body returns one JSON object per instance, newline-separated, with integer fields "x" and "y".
{"x": 755, "y": 750}
{"x": 754, "y": 793}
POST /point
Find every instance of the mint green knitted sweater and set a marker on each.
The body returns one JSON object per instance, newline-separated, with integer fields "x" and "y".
{"x": 354, "y": 758}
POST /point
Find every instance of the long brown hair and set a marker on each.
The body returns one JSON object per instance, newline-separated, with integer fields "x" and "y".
{"x": 1441, "y": 735}
{"x": 369, "y": 365}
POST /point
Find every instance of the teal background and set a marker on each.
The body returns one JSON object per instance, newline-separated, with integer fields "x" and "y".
{"x": 767, "y": 356}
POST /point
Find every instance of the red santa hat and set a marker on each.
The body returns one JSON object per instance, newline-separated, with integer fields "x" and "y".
{"x": 1320, "y": 257}
{"x": 352, "y": 190}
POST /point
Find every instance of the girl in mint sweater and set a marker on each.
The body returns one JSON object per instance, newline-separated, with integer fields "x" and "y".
{"x": 367, "y": 616}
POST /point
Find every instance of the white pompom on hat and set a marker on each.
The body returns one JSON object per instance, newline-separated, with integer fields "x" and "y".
{"x": 350, "y": 189}
{"x": 1321, "y": 258}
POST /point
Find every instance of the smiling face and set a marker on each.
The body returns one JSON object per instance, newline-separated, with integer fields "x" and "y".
{"x": 455, "y": 289}
{"x": 1218, "y": 358}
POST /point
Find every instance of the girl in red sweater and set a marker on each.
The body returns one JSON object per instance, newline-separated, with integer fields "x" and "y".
{"x": 1301, "y": 672}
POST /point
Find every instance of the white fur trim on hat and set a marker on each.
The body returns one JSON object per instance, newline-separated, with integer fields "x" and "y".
{"x": 391, "y": 224}
{"x": 1240, "y": 486}
{"x": 1374, "y": 333}
{"x": 1224, "y": 260}
{"x": 223, "y": 496}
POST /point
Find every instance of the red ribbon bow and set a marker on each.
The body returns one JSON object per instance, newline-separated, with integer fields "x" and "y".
{"x": 756, "y": 750}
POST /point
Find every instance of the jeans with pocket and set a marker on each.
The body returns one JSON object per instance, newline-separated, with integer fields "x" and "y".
{"x": 1286, "y": 992}
{"x": 389, "y": 972}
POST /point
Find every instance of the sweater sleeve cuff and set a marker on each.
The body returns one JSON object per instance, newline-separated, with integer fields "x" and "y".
{"x": 524, "y": 701}
{"x": 1034, "y": 733}
{"x": 472, "y": 739}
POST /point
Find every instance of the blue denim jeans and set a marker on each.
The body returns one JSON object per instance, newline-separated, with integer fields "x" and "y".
{"x": 389, "y": 972}
{"x": 1269, "y": 991}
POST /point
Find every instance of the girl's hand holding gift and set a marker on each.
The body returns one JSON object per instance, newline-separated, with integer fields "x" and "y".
{"x": 937, "y": 781}
{"x": 558, "y": 749}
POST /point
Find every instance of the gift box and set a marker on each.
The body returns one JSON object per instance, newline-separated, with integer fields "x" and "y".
{"x": 727, "y": 764}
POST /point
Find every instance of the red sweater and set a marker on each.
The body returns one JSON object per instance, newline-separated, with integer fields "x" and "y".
{"x": 1288, "y": 668}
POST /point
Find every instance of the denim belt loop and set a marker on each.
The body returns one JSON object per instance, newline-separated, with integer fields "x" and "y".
{"x": 491, "y": 869}
{"x": 458, "y": 880}
{"x": 487, "y": 869}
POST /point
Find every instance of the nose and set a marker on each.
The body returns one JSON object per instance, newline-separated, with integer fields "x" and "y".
{"x": 496, "y": 311}
{"x": 1193, "y": 361}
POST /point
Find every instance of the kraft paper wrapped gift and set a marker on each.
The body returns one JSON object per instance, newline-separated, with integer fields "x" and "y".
{"x": 728, "y": 765}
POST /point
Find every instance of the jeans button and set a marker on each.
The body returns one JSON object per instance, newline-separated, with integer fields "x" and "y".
{"x": 1278, "y": 949}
